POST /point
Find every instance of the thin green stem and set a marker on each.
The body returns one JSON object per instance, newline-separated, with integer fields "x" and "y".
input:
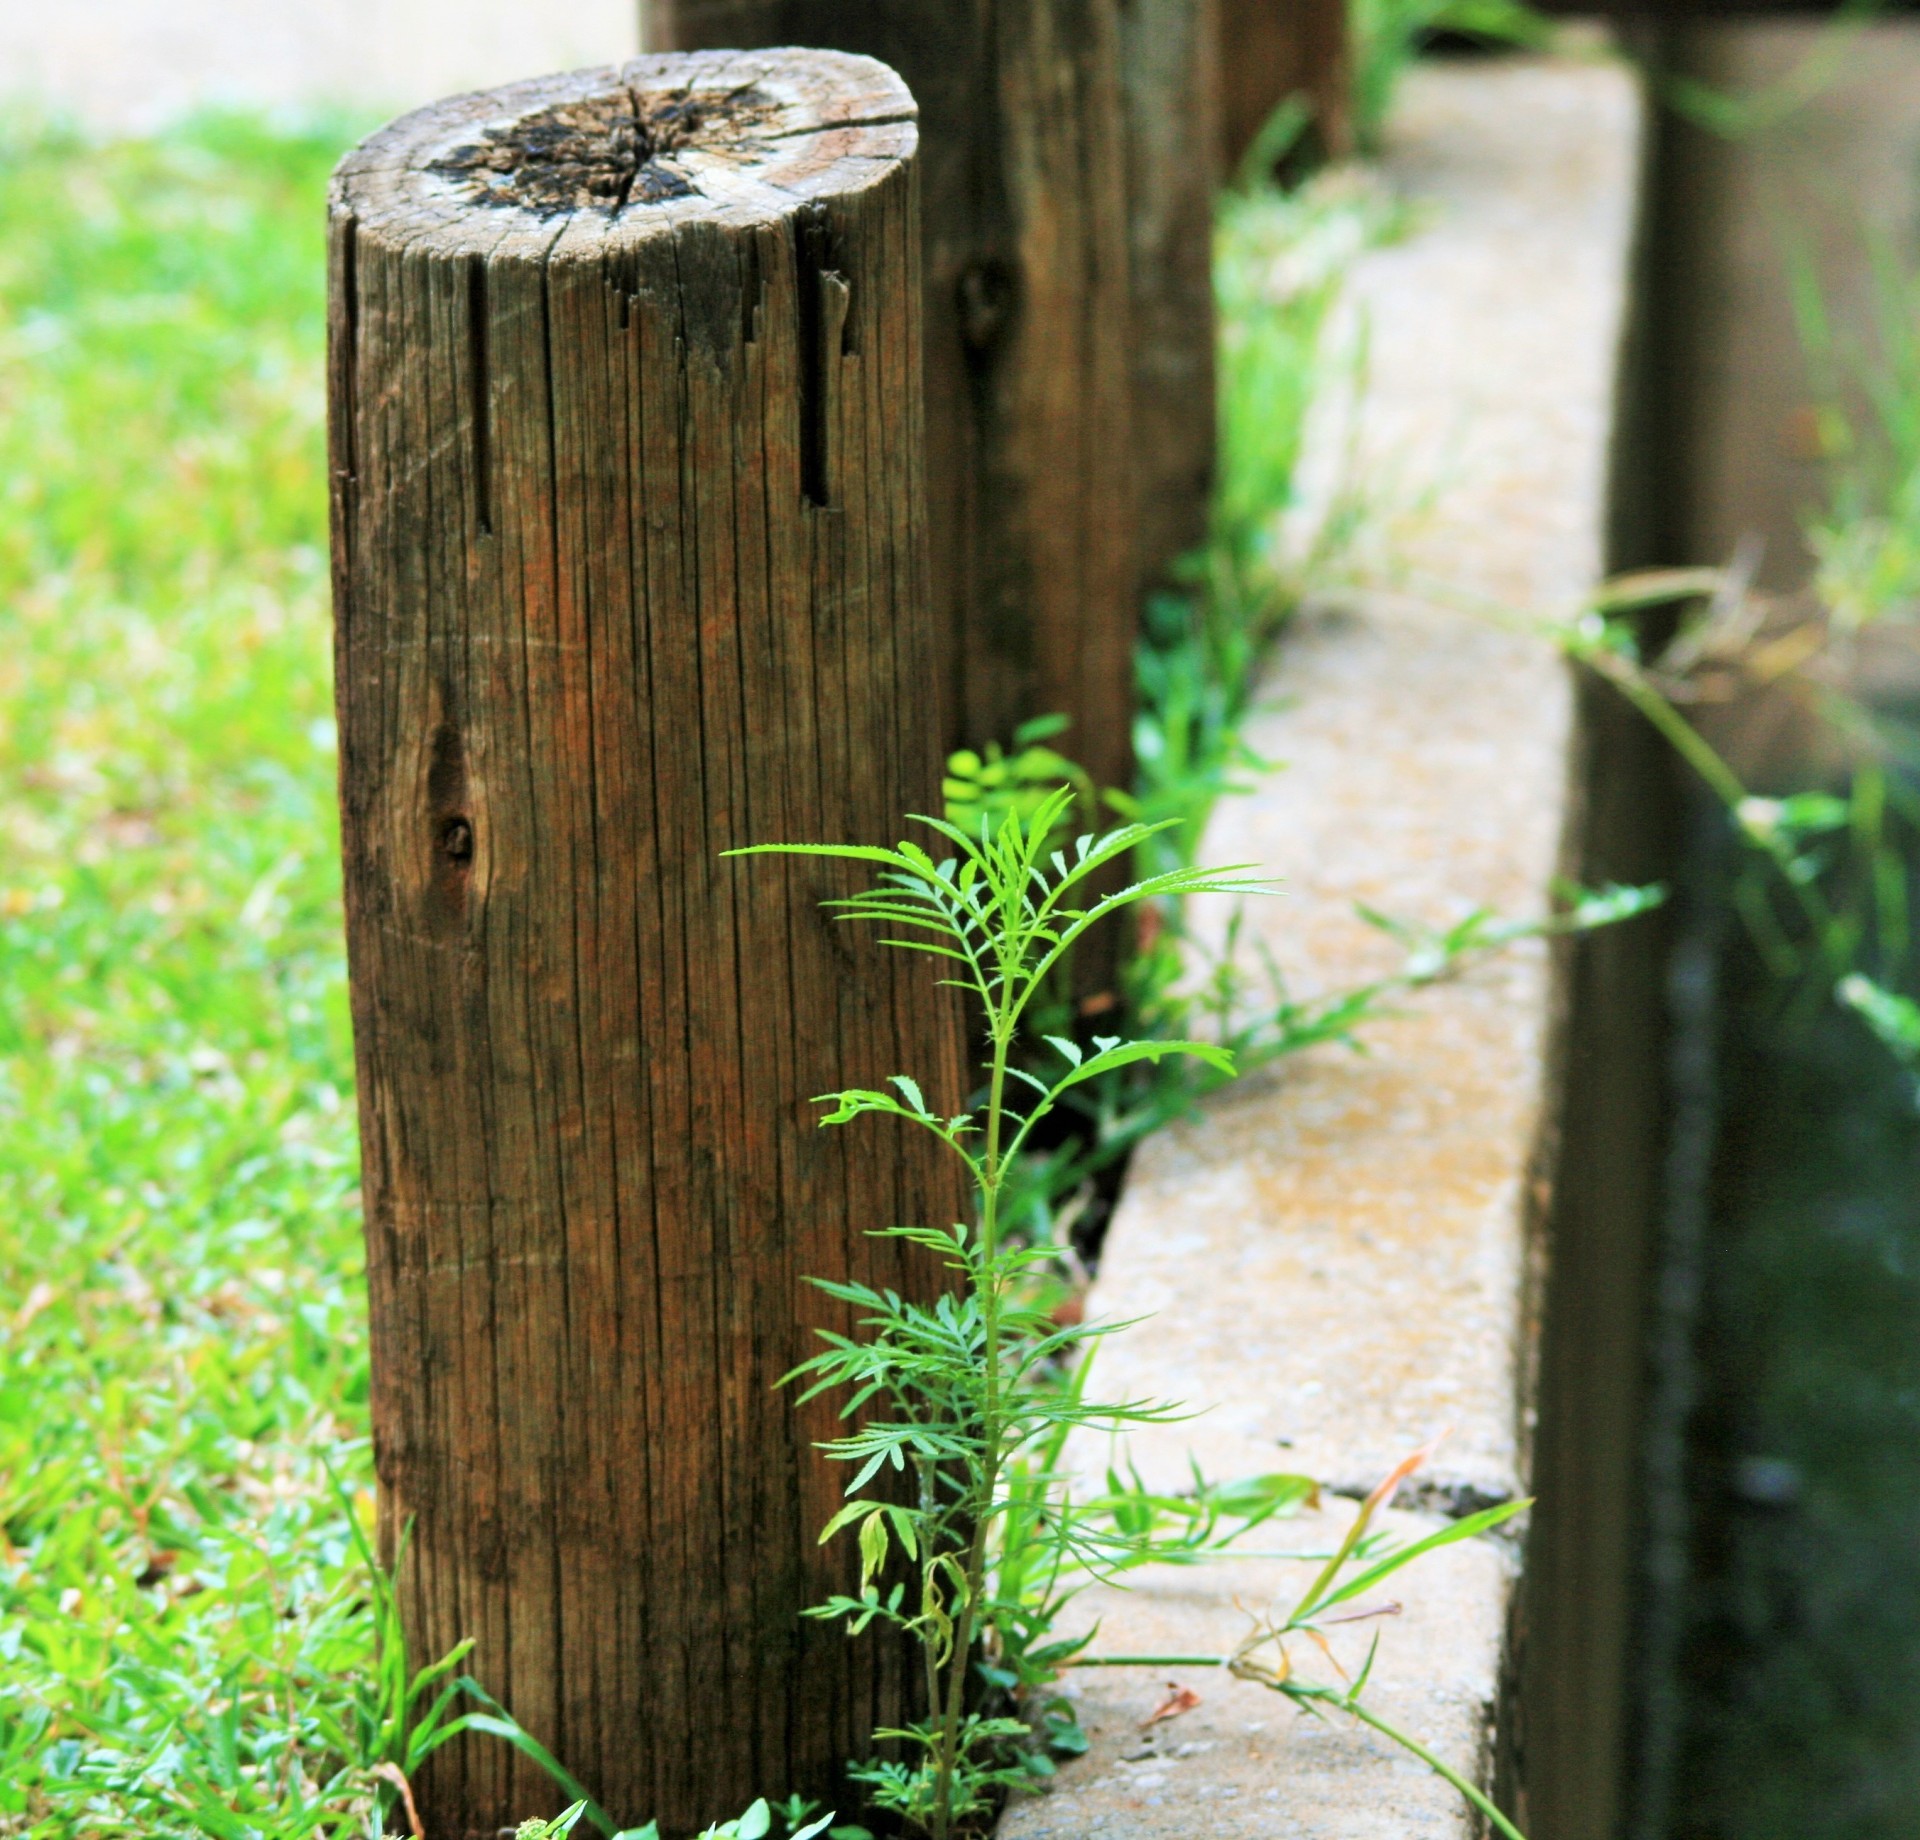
{"x": 1364, "y": 1713}
{"x": 1632, "y": 681}
{"x": 1726, "y": 785}
{"x": 1471, "y": 1791}
{"x": 929, "y": 1485}
{"x": 990, "y": 1439}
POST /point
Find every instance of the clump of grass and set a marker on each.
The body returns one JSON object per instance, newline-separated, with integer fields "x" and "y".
{"x": 1281, "y": 262}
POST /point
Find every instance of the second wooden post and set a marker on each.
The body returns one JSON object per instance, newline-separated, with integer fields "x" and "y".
{"x": 629, "y": 569}
{"x": 1069, "y": 328}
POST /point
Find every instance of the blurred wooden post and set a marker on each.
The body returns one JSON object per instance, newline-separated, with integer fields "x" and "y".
{"x": 1070, "y": 421}
{"x": 1273, "y": 49}
{"x": 1171, "y": 57}
{"x": 629, "y": 568}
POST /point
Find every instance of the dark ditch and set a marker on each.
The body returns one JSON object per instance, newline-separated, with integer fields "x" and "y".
{"x": 1783, "y": 1617}
{"x": 1770, "y": 1686}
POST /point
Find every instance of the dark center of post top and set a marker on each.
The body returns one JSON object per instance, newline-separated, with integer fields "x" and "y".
{"x": 605, "y": 152}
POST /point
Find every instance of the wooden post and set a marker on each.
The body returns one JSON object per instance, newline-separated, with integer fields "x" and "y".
{"x": 1273, "y": 49}
{"x": 1030, "y": 430}
{"x": 1171, "y": 70}
{"x": 1069, "y": 333}
{"x": 629, "y": 569}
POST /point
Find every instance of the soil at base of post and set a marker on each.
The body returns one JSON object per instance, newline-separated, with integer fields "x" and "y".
{"x": 629, "y": 570}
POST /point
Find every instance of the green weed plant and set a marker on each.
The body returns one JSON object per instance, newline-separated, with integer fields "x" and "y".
{"x": 970, "y": 1396}
{"x": 970, "y": 1399}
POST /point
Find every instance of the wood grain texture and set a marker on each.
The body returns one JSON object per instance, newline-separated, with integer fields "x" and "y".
{"x": 629, "y": 569}
{"x": 1273, "y": 49}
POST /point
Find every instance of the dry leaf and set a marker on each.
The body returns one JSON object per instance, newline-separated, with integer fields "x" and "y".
{"x": 1179, "y": 1699}
{"x": 392, "y": 1772}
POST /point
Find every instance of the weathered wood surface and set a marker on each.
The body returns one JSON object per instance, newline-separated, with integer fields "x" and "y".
{"x": 629, "y": 569}
{"x": 1037, "y": 444}
{"x": 1171, "y": 70}
{"x": 1273, "y": 49}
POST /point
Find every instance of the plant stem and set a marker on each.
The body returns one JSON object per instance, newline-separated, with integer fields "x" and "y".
{"x": 1471, "y": 1791}
{"x": 990, "y": 1439}
{"x": 1726, "y": 785}
{"x": 929, "y": 1486}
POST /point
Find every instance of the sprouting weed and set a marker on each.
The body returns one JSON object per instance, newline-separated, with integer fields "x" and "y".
{"x": 973, "y": 1395}
{"x": 971, "y": 1398}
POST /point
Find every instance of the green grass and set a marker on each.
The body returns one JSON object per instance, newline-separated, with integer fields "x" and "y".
{"x": 181, "y": 1340}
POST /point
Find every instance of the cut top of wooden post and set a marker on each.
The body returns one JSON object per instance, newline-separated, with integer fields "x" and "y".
{"x": 596, "y": 160}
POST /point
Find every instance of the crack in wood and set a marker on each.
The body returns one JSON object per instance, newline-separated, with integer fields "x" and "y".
{"x": 607, "y": 152}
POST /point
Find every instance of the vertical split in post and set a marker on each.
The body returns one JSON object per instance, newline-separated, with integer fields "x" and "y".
{"x": 629, "y": 566}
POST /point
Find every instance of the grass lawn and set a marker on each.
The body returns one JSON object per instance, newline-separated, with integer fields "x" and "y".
{"x": 181, "y": 1346}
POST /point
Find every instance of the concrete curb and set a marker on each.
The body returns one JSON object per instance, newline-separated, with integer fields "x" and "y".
{"x": 1334, "y": 1257}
